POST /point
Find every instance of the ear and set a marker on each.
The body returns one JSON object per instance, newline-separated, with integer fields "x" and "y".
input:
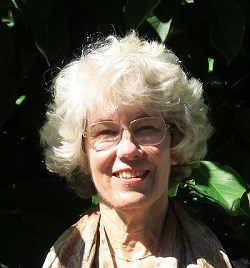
{"x": 176, "y": 138}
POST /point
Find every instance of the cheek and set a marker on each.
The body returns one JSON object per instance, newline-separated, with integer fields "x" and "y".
{"x": 94, "y": 160}
{"x": 100, "y": 163}
{"x": 159, "y": 156}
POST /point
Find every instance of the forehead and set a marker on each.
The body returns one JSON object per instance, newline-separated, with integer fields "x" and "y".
{"x": 122, "y": 114}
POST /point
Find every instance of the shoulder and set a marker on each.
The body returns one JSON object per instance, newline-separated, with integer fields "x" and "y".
{"x": 200, "y": 241}
{"x": 76, "y": 243}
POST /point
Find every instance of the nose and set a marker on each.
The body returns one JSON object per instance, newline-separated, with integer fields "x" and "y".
{"x": 128, "y": 147}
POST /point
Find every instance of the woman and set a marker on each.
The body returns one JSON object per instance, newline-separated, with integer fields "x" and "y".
{"x": 125, "y": 124}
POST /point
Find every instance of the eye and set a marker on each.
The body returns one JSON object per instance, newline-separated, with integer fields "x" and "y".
{"x": 103, "y": 132}
{"x": 147, "y": 129}
{"x": 107, "y": 132}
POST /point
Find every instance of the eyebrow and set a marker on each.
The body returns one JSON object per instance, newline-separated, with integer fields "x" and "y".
{"x": 143, "y": 115}
{"x": 100, "y": 121}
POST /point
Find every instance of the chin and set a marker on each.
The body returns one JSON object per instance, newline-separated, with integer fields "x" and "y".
{"x": 131, "y": 200}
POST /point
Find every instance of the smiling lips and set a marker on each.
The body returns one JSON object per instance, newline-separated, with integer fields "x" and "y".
{"x": 131, "y": 174}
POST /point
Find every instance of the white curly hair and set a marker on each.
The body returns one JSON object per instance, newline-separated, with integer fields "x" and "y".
{"x": 119, "y": 72}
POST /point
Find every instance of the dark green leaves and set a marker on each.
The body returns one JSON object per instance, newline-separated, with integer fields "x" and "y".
{"x": 162, "y": 28}
{"x": 221, "y": 185}
{"x": 227, "y": 25}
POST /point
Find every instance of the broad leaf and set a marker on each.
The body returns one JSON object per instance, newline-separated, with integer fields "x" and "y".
{"x": 138, "y": 11}
{"x": 227, "y": 25}
{"x": 162, "y": 28}
{"x": 220, "y": 184}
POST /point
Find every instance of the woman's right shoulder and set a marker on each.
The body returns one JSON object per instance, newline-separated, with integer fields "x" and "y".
{"x": 76, "y": 242}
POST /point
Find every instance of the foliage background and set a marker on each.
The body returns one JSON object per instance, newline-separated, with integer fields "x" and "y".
{"x": 37, "y": 37}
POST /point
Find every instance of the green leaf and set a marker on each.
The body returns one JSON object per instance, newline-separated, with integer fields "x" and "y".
{"x": 227, "y": 25}
{"x": 20, "y": 100}
{"x": 14, "y": 3}
{"x": 162, "y": 28}
{"x": 221, "y": 185}
{"x": 7, "y": 17}
{"x": 210, "y": 65}
{"x": 172, "y": 191}
{"x": 138, "y": 11}
{"x": 95, "y": 200}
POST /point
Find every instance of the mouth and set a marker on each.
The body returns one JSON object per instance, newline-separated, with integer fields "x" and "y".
{"x": 125, "y": 174}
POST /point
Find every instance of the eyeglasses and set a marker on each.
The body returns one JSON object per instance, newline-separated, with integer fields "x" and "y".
{"x": 105, "y": 135}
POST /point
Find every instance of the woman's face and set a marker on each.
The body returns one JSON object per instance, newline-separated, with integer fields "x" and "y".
{"x": 130, "y": 175}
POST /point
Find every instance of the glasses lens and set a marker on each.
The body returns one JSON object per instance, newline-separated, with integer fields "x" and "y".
{"x": 149, "y": 130}
{"x": 104, "y": 135}
{"x": 146, "y": 131}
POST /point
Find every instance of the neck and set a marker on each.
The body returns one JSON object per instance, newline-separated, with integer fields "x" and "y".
{"x": 134, "y": 231}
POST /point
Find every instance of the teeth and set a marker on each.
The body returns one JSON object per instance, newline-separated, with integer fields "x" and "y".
{"x": 130, "y": 174}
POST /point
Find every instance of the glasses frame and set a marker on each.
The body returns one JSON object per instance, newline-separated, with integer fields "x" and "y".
{"x": 127, "y": 127}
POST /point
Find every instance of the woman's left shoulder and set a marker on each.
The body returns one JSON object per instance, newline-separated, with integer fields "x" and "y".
{"x": 200, "y": 240}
